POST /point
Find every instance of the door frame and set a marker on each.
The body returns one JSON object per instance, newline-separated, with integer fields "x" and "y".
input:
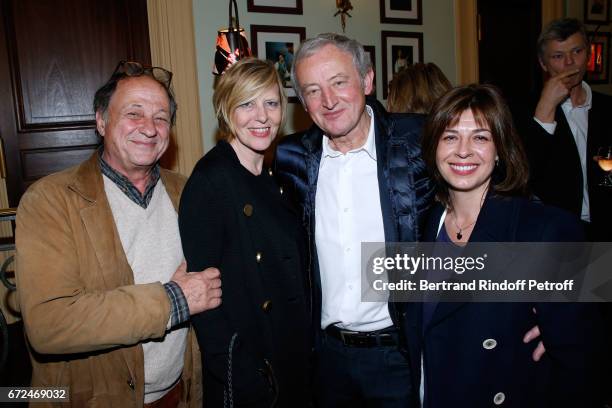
{"x": 466, "y": 35}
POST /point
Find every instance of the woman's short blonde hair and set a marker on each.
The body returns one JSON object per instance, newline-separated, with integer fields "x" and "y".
{"x": 243, "y": 82}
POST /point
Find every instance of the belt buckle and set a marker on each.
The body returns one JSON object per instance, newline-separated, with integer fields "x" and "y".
{"x": 344, "y": 333}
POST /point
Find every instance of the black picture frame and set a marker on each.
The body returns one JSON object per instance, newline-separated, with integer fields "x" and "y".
{"x": 275, "y": 6}
{"x": 401, "y": 11}
{"x": 597, "y": 12}
{"x": 371, "y": 51}
{"x": 410, "y": 44}
{"x": 270, "y": 42}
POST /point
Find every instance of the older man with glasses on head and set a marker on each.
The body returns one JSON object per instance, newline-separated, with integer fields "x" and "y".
{"x": 102, "y": 283}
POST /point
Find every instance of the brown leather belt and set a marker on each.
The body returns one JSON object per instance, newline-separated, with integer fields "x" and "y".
{"x": 171, "y": 399}
{"x": 384, "y": 337}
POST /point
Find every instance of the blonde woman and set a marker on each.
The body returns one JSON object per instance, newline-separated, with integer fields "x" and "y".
{"x": 256, "y": 345}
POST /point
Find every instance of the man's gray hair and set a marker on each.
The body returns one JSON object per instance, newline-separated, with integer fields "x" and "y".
{"x": 311, "y": 46}
{"x": 560, "y": 30}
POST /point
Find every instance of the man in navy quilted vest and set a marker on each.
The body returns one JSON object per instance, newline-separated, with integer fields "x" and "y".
{"x": 358, "y": 175}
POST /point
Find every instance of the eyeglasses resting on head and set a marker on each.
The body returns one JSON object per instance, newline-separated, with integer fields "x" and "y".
{"x": 135, "y": 69}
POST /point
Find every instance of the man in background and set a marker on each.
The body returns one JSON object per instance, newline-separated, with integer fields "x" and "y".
{"x": 569, "y": 124}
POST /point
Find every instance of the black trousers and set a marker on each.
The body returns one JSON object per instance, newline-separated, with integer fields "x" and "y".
{"x": 373, "y": 377}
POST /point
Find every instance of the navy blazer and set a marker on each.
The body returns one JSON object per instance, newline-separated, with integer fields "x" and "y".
{"x": 405, "y": 189}
{"x": 473, "y": 353}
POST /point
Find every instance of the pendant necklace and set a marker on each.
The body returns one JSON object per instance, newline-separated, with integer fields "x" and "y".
{"x": 459, "y": 234}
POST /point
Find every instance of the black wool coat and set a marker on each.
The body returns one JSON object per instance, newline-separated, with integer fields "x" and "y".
{"x": 257, "y": 344}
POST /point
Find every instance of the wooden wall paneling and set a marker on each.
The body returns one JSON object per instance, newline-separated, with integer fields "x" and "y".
{"x": 58, "y": 70}
{"x": 7, "y": 125}
{"x": 59, "y": 54}
{"x": 8, "y": 115}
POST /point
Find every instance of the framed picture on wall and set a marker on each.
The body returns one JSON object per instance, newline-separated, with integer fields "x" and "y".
{"x": 399, "y": 49}
{"x": 401, "y": 11}
{"x": 278, "y": 44}
{"x": 371, "y": 51}
{"x": 598, "y": 67}
{"x": 275, "y": 6}
{"x": 597, "y": 11}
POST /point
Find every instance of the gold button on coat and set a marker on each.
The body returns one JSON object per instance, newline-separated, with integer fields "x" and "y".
{"x": 248, "y": 210}
{"x": 266, "y": 306}
{"x": 258, "y": 257}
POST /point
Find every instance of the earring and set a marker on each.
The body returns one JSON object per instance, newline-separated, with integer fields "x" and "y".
{"x": 496, "y": 161}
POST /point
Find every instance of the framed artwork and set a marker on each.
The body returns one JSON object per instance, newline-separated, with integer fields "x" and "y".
{"x": 400, "y": 49}
{"x": 371, "y": 51}
{"x": 278, "y": 44}
{"x": 275, "y": 6}
{"x": 596, "y": 11}
{"x": 598, "y": 67}
{"x": 401, "y": 11}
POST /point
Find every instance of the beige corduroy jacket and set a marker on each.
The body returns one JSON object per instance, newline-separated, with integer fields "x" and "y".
{"x": 84, "y": 316}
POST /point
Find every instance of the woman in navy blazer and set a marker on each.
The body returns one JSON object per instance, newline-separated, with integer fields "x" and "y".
{"x": 474, "y": 354}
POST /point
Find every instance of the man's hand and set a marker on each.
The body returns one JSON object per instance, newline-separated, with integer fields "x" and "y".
{"x": 201, "y": 289}
{"x": 532, "y": 334}
{"x": 555, "y": 91}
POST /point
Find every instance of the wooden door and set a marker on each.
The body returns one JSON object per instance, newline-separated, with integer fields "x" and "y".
{"x": 54, "y": 54}
{"x": 507, "y": 53}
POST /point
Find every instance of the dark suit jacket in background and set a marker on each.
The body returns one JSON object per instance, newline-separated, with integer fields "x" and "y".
{"x": 241, "y": 224}
{"x": 461, "y": 372}
{"x": 555, "y": 171}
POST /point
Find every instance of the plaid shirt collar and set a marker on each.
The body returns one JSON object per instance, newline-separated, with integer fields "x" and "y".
{"x": 126, "y": 185}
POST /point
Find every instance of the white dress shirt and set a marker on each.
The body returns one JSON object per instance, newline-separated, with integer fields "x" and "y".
{"x": 578, "y": 120}
{"x": 347, "y": 213}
